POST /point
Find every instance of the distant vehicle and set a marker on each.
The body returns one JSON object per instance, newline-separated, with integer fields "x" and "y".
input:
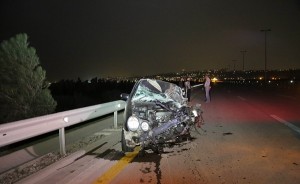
{"x": 157, "y": 114}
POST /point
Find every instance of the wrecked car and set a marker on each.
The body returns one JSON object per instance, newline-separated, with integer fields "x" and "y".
{"x": 156, "y": 114}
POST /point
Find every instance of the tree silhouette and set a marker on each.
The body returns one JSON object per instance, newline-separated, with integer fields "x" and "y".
{"x": 24, "y": 91}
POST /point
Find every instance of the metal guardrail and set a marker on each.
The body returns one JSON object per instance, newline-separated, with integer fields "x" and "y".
{"x": 24, "y": 129}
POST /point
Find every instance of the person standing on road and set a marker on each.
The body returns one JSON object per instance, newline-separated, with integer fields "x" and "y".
{"x": 207, "y": 88}
{"x": 187, "y": 86}
{"x": 181, "y": 82}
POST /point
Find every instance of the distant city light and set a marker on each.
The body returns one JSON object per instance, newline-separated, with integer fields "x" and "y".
{"x": 214, "y": 79}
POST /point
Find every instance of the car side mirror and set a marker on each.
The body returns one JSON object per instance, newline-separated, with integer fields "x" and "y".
{"x": 124, "y": 96}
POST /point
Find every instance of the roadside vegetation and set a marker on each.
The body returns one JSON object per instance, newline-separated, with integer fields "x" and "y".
{"x": 24, "y": 90}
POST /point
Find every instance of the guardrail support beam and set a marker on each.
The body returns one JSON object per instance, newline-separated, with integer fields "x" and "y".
{"x": 62, "y": 141}
{"x": 116, "y": 119}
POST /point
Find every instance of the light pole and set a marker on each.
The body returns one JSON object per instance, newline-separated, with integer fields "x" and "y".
{"x": 234, "y": 64}
{"x": 265, "y": 30}
{"x": 243, "y": 52}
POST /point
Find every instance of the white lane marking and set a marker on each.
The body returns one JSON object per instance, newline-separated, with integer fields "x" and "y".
{"x": 241, "y": 98}
{"x": 290, "y": 125}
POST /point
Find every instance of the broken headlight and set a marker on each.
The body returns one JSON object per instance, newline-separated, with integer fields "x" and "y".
{"x": 145, "y": 126}
{"x": 133, "y": 123}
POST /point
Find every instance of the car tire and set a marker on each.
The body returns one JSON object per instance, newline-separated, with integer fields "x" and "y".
{"x": 125, "y": 148}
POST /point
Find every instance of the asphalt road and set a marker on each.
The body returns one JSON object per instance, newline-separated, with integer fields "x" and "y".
{"x": 249, "y": 136}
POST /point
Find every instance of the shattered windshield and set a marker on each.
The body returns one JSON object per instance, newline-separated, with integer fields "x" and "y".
{"x": 150, "y": 90}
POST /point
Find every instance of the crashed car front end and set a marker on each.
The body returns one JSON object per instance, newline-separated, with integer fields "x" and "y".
{"x": 156, "y": 113}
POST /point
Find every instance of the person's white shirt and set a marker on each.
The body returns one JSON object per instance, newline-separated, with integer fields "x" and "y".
{"x": 187, "y": 84}
{"x": 207, "y": 82}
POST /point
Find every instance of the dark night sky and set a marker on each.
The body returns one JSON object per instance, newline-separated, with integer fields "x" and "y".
{"x": 91, "y": 38}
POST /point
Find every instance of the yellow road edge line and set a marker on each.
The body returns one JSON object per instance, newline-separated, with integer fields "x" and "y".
{"x": 111, "y": 173}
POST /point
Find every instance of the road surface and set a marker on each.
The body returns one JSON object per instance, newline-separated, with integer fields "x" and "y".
{"x": 249, "y": 136}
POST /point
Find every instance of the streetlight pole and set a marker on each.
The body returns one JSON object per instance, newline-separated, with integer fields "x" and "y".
{"x": 265, "y": 30}
{"x": 234, "y": 65}
{"x": 243, "y": 52}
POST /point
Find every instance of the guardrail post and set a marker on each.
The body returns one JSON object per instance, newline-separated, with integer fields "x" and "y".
{"x": 116, "y": 119}
{"x": 62, "y": 141}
